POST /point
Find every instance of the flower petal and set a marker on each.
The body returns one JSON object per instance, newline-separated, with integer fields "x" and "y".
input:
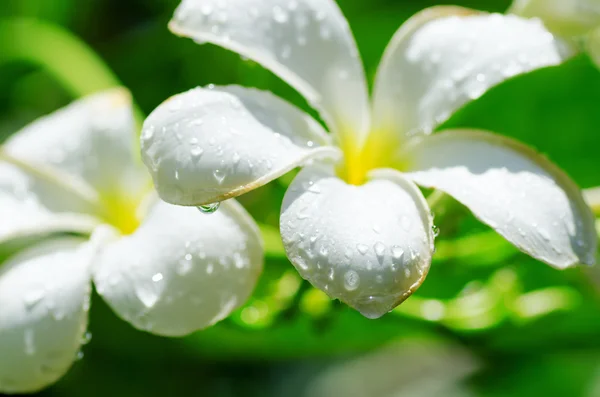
{"x": 518, "y": 192}
{"x": 444, "y": 57}
{"x": 92, "y": 139}
{"x": 564, "y": 17}
{"x": 305, "y": 42}
{"x": 44, "y": 295}
{"x": 31, "y": 207}
{"x": 182, "y": 270}
{"x": 207, "y": 145}
{"x": 369, "y": 246}
{"x": 593, "y": 46}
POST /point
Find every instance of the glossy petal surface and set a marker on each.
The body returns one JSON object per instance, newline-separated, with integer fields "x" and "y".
{"x": 182, "y": 270}
{"x": 444, "y": 57}
{"x": 44, "y": 296}
{"x": 305, "y": 42}
{"x": 369, "y": 246}
{"x": 210, "y": 144}
{"x": 515, "y": 190}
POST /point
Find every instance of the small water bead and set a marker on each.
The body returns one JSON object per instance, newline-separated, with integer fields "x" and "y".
{"x": 379, "y": 248}
{"x": 219, "y": 175}
{"x": 157, "y": 277}
{"x": 280, "y": 15}
{"x": 362, "y": 248}
{"x": 196, "y": 151}
{"x": 86, "y": 338}
{"x": 209, "y": 208}
{"x": 435, "y": 230}
{"x": 397, "y": 252}
{"x": 236, "y": 158}
{"x": 29, "y": 341}
{"x": 286, "y": 51}
{"x": 351, "y": 280}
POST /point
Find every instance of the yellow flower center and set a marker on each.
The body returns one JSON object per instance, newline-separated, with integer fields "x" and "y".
{"x": 123, "y": 213}
{"x": 379, "y": 150}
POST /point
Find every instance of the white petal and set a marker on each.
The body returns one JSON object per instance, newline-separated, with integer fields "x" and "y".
{"x": 92, "y": 139}
{"x": 564, "y": 17}
{"x": 369, "y": 246}
{"x": 593, "y": 46}
{"x": 444, "y": 57}
{"x": 305, "y": 42}
{"x": 44, "y": 296}
{"x": 182, "y": 270}
{"x": 207, "y": 145}
{"x": 32, "y": 207}
{"x": 518, "y": 192}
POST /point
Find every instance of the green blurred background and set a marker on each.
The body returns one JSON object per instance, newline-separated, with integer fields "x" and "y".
{"x": 488, "y": 321}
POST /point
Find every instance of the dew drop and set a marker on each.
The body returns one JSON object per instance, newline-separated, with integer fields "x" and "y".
{"x": 29, "y": 340}
{"x": 435, "y": 230}
{"x": 219, "y": 175}
{"x": 545, "y": 235}
{"x": 351, "y": 280}
{"x": 286, "y": 51}
{"x": 331, "y": 274}
{"x": 379, "y": 249}
{"x": 397, "y": 252}
{"x": 362, "y": 248}
{"x": 86, "y": 338}
{"x": 32, "y": 298}
{"x": 157, "y": 277}
{"x": 280, "y": 15}
{"x": 209, "y": 208}
{"x": 236, "y": 158}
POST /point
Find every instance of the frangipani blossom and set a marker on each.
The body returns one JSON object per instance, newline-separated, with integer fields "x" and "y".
{"x": 353, "y": 222}
{"x": 165, "y": 269}
{"x": 576, "y": 21}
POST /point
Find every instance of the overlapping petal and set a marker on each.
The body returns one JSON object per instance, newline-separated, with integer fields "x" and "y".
{"x": 565, "y": 17}
{"x": 515, "y": 190}
{"x": 182, "y": 270}
{"x": 44, "y": 299}
{"x": 31, "y": 206}
{"x": 210, "y": 144}
{"x": 92, "y": 139}
{"x": 444, "y": 57}
{"x": 369, "y": 246}
{"x": 305, "y": 42}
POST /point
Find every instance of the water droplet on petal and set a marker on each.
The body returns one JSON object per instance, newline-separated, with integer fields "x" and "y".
{"x": 351, "y": 280}
{"x": 209, "y": 208}
{"x": 280, "y": 15}
{"x": 157, "y": 277}
{"x": 362, "y": 248}
{"x": 86, "y": 338}
{"x": 397, "y": 253}
{"x": 379, "y": 249}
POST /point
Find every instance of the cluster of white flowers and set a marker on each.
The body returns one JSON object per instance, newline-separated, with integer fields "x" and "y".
{"x": 353, "y": 222}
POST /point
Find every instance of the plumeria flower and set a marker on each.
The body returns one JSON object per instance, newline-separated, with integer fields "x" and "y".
{"x": 576, "y": 21}
{"x": 353, "y": 221}
{"x": 165, "y": 269}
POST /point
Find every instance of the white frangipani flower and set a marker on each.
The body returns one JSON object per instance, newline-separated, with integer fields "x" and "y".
{"x": 353, "y": 221}
{"x": 576, "y": 21}
{"x": 165, "y": 269}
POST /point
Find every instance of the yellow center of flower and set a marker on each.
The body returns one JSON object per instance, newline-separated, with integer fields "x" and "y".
{"x": 121, "y": 212}
{"x": 379, "y": 150}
